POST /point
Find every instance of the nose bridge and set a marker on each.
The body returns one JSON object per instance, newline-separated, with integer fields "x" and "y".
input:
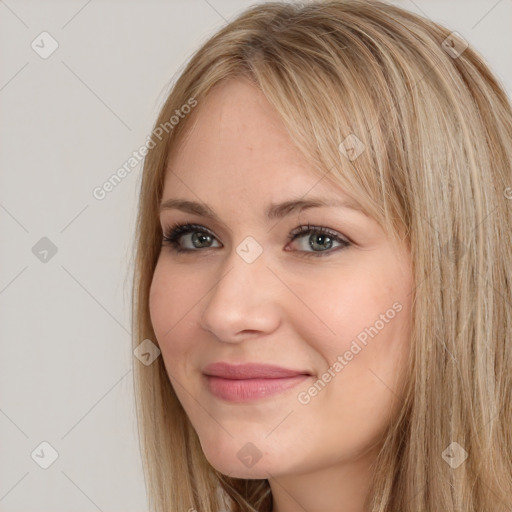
{"x": 244, "y": 268}
{"x": 239, "y": 300}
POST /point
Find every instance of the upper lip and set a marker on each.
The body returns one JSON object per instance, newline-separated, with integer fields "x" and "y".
{"x": 250, "y": 371}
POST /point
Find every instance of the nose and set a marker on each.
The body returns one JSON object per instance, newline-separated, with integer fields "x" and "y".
{"x": 244, "y": 301}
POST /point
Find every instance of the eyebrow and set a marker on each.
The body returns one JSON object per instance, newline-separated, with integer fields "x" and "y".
{"x": 273, "y": 211}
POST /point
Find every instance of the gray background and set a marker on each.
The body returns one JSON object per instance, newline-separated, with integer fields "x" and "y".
{"x": 67, "y": 123}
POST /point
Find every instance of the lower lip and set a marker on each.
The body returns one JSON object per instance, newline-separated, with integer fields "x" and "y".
{"x": 244, "y": 390}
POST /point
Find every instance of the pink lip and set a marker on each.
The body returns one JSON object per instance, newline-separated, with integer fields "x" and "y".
{"x": 250, "y": 371}
{"x": 250, "y": 381}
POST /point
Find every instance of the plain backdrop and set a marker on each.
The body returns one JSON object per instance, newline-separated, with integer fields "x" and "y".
{"x": 68, "y": 121}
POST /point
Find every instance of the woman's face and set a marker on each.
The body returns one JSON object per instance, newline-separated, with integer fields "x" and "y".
{"x": 336, "y": 314}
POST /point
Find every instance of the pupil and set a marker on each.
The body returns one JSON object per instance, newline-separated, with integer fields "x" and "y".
{"x": 322, "y": 239}
{"x": 201, "y": 237}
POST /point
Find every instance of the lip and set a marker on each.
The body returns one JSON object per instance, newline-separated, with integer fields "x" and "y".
{"x": 250, "y": 371}
{"x": 250, "y": 381}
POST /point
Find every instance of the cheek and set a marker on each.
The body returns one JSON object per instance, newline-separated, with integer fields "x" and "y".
{"x": 361, "y": 334}
{"x": 174, "y": 304}
{"x": 361, "y": 367}
{"x": 170, "y": 298}
{"x": 159, "y": 301}
{"x": 343, "y": 309}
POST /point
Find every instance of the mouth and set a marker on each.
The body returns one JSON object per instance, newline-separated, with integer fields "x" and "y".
{"x": 250, "y": 381}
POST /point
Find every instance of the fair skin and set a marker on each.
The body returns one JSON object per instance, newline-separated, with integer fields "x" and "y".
{"x": 282, "y": 308}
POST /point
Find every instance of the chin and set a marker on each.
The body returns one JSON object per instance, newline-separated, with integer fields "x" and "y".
{"x": 246, "y": 462}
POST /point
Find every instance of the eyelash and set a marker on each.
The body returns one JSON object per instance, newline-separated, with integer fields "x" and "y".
{"x": 173, "y": 233}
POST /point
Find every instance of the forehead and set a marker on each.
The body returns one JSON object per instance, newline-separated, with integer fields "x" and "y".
{"x": 235, "y": 142}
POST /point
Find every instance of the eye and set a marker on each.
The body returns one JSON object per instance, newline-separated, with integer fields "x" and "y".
{"x": 320, "y": 238}
{"x": 201, "y": 236}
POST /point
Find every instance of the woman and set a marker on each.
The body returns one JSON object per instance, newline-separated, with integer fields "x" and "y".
{"x": 324, "y": 261}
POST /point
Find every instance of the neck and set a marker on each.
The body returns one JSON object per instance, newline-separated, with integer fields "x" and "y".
{"x": 341, "y": 487}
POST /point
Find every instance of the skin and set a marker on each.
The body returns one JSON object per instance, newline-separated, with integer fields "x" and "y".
{"x": 283, "y": 308}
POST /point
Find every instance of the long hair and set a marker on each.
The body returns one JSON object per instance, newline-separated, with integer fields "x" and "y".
{"x": 431, "y": 127}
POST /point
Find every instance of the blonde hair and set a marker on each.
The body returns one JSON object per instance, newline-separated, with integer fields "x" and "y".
{"x": 436, "y": 169}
